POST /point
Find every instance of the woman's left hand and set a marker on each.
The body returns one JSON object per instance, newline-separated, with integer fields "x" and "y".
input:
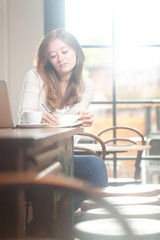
{"x": 87, "y": 118}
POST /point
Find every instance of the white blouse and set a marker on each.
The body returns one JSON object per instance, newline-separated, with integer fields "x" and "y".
{"x": 33, "y": 96}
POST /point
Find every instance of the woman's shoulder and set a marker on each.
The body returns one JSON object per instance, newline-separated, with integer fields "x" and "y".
{"x": 88, "y": 83}
{"x": 33, "y": 72}
{"x": 33, "y": 77}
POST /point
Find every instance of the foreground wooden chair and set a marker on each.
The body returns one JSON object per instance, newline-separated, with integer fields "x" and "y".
{"x": 46, "y": 194}
{"x": 121, "y": 201}
{"x": 142, "y": 190}
{"x": 20, "y": 183}
{"x": 14, "y": 190}
{"x": 107, "y": 229}
{"x": 129, "y": 211}
{"x": 145, "y": 190}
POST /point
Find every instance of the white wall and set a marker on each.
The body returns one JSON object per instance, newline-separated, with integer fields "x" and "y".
{"x": 23, "y": 24}
{"x": 3, "y": 39}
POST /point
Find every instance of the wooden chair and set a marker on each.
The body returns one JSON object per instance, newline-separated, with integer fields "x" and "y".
{"x": 99, "y": 223}
{"x": 143, "y": 190}
{"x": 18, "y": 185}
{"x": 17, "y": 188}
{"x": 126, "y": 139}
{"x": 121, "y": 201}
{"x": 129, "y": 211}
{"x": 107, "y": 229}
{"x": 100, "y": 150}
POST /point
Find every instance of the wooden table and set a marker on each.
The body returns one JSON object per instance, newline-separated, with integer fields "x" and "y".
{"x": 112, "y": 149}
{"x": 40, "y": 150}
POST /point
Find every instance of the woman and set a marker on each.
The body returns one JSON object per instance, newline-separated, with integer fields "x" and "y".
{"x": 57, "y": 80}
{"x": 58, "y": 83}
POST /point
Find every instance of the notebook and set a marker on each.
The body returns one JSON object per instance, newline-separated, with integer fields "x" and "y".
{"x": 6, "y": 119}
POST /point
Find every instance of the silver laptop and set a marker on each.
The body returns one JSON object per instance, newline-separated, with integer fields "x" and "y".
{"x": 6, "y": 119}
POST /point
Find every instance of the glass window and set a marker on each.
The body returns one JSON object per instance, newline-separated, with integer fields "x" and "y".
{"x": 137, "y": 73}
{"x": 121, "y": 42}
{"x": 136, "y": 21}
{"x": 90, "y": 21}
{"x": 98, "y": 67}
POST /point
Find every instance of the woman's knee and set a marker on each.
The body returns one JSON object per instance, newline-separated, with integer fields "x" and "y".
{"x": 97, "y": 161}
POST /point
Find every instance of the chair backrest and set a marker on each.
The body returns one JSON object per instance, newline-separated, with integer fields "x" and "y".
{"x": 122, "y": 136}
{"x": 91, "y": 151}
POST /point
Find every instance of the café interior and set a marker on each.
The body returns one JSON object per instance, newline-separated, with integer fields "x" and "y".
{"x": 121, "y": 43}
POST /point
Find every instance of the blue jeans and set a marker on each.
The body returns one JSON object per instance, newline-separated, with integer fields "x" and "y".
{"x": 91, "y": 169}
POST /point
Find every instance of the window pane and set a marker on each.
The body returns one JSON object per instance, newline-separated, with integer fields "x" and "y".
{"x": 137, "y": 21}
{"x": 138, "y": 73}
{"x": 90, "y": 21}
{"x": 98, "y": 67}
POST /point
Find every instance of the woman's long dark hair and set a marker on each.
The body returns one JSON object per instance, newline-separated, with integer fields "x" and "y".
{"x": 49, "y": 75}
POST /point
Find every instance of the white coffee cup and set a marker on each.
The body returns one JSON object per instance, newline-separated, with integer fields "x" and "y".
{"x": 32, "y": 117}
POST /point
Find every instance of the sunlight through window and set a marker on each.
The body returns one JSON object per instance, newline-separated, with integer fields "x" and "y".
{"x": 89, "y": 22}
{"x": 136, "y": 43}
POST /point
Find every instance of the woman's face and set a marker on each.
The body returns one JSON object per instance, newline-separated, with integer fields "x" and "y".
{"x": 61, "y": 56}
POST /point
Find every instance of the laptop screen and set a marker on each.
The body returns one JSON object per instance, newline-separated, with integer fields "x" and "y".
{"x": 6, "y": 120}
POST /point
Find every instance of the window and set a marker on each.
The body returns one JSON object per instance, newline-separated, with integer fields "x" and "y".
{"x": 90, "y": 21}
{"x": 121, "y": 42}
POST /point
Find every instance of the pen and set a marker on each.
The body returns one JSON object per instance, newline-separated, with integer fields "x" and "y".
{"x": 48, "y": 110}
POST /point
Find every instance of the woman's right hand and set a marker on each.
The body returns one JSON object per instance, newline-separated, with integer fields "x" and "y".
{"x": 52, "y": 120}
{"x": 87, "y": 118}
